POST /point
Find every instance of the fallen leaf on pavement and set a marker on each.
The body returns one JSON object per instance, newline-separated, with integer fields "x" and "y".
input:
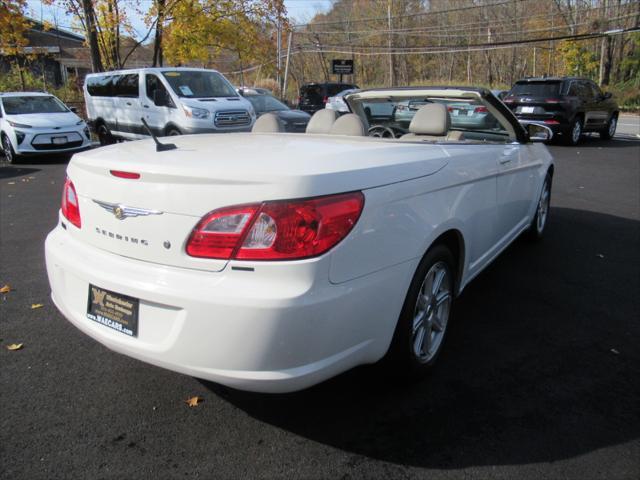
{"x": 194, "y": 401}
{"x": 15, "y": 346}
{"x": 36, "y": 305}
{"x": 615, "y": 352}
{"x": 11, "y": 183}
{"x": 5, "y": 289}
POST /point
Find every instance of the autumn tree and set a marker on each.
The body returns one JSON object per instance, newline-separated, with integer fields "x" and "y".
{"x": 14, "y": 25}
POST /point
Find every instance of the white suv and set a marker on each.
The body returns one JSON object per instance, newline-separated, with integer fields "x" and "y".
{"x": 38, "y": 123}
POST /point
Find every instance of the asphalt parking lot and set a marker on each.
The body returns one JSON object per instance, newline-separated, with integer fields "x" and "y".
{"x": 540, "y": 377}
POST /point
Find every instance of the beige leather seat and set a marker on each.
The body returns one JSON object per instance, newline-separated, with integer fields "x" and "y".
{"x": 432, "y": 122}
{"x": 348, "y": 124}
{"x": 268, "y": 123}
{"x": 321, "y": 121}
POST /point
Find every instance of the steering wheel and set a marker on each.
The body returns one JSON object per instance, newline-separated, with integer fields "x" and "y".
{"x": 380, "y": 131}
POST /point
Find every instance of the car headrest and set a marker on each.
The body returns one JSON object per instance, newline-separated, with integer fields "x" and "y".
{"x": 321, "y": 121}
{"x": 431, "y": 119}
{"x": 267, "y": 123}
{"x": 348, "y": 124}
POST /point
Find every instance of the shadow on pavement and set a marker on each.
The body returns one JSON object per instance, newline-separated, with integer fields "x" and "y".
{"x": 593, "y": 141}
{"x": 13, "y": 171}
{"x": 541, "y": 364}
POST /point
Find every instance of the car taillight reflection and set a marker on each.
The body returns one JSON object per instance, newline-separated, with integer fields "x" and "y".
{"x": 70, "y": 206}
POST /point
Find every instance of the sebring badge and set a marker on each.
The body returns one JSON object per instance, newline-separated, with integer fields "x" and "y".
{"x": 121, "y": 211}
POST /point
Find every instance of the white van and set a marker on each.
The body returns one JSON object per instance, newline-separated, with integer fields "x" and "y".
{"x": 173, "y": 101}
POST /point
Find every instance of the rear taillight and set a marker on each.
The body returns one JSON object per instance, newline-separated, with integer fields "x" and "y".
{"x": 553, "y": 100}
{"x": 480, "y": 110}
{"x": 325, "y": 99}
{"x": 279, "y": 230}
{"x": 509, "y": 99}
{"x": 552, "y": 122}
{"x": 70, "y": 206}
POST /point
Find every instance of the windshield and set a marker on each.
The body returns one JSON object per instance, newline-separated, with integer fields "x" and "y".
{"x": 536, "y": 89}
{"x": 32, "y": 104}
{"x": 199, "y": 84}
{"x": 468, "y": 115}
{"x": 266, "y": 103}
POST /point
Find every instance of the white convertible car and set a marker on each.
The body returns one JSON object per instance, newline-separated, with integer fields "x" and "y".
{"x": 270, "y": 262}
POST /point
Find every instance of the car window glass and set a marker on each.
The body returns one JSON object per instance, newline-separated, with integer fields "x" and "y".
{"x": 595, "y": 90}
{"x": 536, "y": 89}
{"x": 127, "y": 85}
{"x": 585, "y": 91}
{"x": 153, "y": 83}
{"x": 574, "y": 90}
{"x": 199, "y": 84}
{"x": 266, "y": 103}
{"x": 101, "y": 86}
{"x": 467, "y": 115}
{"x": 311, "y": 94}
{"x": 30, "y": 104}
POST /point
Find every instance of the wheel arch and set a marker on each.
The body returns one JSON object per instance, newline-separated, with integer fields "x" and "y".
{"x": 453, "y": 239}
{"x": 171, "y": 126}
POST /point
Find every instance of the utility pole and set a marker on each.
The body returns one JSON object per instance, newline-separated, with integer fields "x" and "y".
{"x": 286, "y": 67}
{"x": 391, "y": 73}
{"x": 279, "y": 59}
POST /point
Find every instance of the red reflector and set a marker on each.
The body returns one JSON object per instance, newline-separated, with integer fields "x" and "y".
{"x": 70, "y": 205}
{"x": 552, "y": 122}
{"x": 121, "y": 174}
{"x": 480, "y": 110}
{"x": 553, "y": 100}
{"x": 280, "y": 230}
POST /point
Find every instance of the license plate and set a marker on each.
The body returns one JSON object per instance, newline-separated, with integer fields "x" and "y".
{"x": 58, "y": 140}
{"x": 114, "y": 310}
{"x": 526, "y": 109}
{"x": 455, "y": 112}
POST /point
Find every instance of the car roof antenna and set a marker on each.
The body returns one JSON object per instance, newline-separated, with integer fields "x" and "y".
{"x": 160, "y": 147}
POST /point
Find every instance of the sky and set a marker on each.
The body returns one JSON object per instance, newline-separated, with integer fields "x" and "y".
{"x": 299, "y": 11}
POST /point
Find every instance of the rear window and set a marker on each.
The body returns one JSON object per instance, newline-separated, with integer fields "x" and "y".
{"x": 536, "y": 89}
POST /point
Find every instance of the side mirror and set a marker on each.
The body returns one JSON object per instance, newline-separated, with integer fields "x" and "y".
{"x": 73, "y": 109}
{"x": 538, "y": 132}
{"x": 606, "y": 95}
{"x": 161, "y": 98}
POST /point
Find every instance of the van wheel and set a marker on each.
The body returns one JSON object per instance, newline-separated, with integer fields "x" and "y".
{"x": 424, "y": 318}
{"x": 104, "y": 135}
{"x": 172, "y": 132}
{"x": 8, "y": 151}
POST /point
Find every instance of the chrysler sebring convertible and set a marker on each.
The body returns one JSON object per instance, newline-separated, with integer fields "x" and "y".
{"x": 269, "y": 261}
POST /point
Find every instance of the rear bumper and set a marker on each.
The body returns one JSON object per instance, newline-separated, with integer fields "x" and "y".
{"x": 279, "y": 328}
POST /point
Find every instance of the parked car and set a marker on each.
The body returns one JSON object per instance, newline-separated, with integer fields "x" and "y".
{"x": 570, "y": 106}
{"x": 33, "y": 123}
{"x": 273, "y": 261}
{"x": 337, "y": 102}
{"x": 263, "y": 102}
{"x": 314, "y": 96}
{"x": 173, "y": 101}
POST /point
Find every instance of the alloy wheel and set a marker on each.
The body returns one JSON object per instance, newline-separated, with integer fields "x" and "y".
{"x": 431, "y": 312}
{"x": 543, "y": 207}
{"x": 576, "y": 132}
{"x": 613, "y": 123}
{"x": 7, "y": 150}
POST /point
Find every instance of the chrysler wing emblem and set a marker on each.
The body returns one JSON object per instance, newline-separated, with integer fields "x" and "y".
{"x": 121, "y": 211}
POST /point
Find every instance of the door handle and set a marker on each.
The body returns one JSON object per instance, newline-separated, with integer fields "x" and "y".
{"x": 146, "y": 106}
{"x": 504, "y": 160}
{"x": 129, "y": 103}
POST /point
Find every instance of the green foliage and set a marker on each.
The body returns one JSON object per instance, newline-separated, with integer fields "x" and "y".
{"x": 578, "y": 59}
{"x": 10, "y": 82}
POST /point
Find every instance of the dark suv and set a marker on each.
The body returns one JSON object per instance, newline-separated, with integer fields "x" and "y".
{"x": 570, "y": 106}
{"x": 314, "y": 96}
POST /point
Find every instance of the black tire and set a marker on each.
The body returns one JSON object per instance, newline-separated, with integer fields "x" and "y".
{"x": 610, "y": 131}
{"x": 104, "y": 135}
{"x": 9, "y": 153}
{"x": 173, "y": 131}
{"x": 402, "y": 359}
{"x": 570, "y": 136}
{"x": 539, "y": 222}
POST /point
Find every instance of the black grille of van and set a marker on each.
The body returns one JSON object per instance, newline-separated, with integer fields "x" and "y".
{"x": 232, "y": 118}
